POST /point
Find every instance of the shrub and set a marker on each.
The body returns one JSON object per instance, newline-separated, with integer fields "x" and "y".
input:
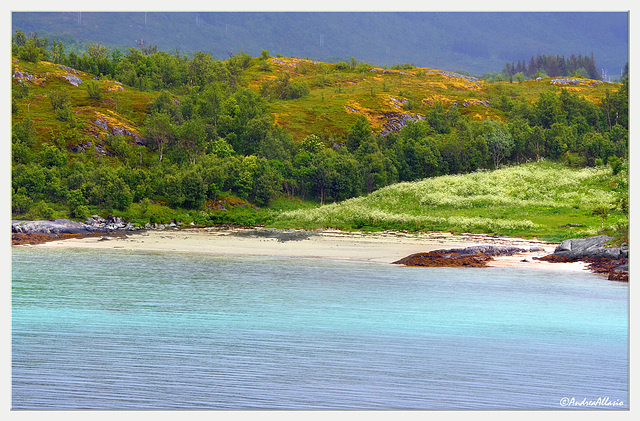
{"x": 616, "y": 165}
{"x": 53, "y": 157}
{"x": 341, "y": 65}
{"x": 20, "y": 204}
{"x": 43, "y": 210}
{"x": 94, "y": 90}
{"x": 59, "y": 99}
{"x": 193, "y": 190}
{"x": 77, "y": 204}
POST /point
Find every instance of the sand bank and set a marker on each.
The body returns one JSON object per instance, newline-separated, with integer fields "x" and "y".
{"x": 385, "y": 247}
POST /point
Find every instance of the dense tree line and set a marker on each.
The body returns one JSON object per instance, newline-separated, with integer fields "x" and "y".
{"x": 553, "y": 66}
{"x": 206, "y": 135}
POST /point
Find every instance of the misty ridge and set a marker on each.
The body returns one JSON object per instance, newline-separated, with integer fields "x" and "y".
{"x": 474, "y": 42}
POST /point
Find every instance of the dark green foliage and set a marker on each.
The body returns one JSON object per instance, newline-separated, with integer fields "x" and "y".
{"x": 437, "y": 119}
{"x": 25, "y": 132}
{"x": 596, "y": 146}
{"x": 77, "y": 203}
{"x": 53, "y": 157}
{"x": 499, "y": 142}
{"x": 107, "y": 189}
{"x": 20, "y": 203}
{"x": 193, "y": 190}
{"x": 31, "y": 178}
{"x": 42, "y": 210}
{"x": 553, "y": 66}
{"x": 59, "y": 99}
{"x": 358, "y": 133}
{"x": 616, "y": 165}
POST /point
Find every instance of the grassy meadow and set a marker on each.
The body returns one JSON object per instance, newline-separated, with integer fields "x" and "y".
{"x": 544, "y": 200}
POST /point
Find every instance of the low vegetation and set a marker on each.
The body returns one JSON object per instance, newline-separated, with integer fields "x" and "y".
{"x": 544, "y": 199}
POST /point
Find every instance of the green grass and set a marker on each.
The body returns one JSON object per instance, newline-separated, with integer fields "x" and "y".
{"x": 543, "y": 200}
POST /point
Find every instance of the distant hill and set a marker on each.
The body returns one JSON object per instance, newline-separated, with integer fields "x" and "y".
{"x": 475, "y": 42}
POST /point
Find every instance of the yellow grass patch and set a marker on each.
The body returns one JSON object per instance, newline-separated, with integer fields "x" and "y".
{"x": 108, "y": 122}
{"x": 432, "y": 100}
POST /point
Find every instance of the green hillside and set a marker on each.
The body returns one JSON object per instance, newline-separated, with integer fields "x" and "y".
{"x": 543, "y": 200}
{"x": 155, "y": 137}
{"x": 337, "y": 95}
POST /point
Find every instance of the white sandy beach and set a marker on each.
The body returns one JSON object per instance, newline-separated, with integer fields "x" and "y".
{"x": 386, "y": 247}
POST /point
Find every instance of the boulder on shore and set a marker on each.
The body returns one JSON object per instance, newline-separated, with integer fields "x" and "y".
{"x": 473, "y": 256}
{"x": 57, "y": 226}
{"x": 94, "y": 224}
{"x": 613, "y": 261}
{"x": 591, "y": 247}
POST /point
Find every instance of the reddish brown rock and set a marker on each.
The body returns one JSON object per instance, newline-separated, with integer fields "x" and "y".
{"x": 443, "y": 258}
{"x": 613, "y": 268}
{"x": 474, "y": 256}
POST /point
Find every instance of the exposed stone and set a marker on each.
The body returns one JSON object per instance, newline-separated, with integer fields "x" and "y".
{"x": 23, "y": 76}
{"x": 592, "y": 250}
{"x": 74, "y": 80}
{"x": 574, "y": 81}
{"x": 396, "y": 121}
{"x": 58, "y": 226}
{"x": 474, "y": 256}
{"x": 482, "y": 102}
{"x": 68, "y": 69}
{"x": 588, "y": 247}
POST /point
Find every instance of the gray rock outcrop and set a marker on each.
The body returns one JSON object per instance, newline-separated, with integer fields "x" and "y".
{"x": 577, "y": 248}
{"x": 93, "y": 224}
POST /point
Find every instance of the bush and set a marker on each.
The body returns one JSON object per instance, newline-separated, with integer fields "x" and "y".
{"x": 341, "y": 66}
{"x": 43, "y": 210}
{"x": 65, "y": 114}
{"x": 59, "y": 99}
{"x": 193, "y": 190}
{"x": 173, "y": 191}
{"x": 77, "y": 204}
{"x": 20, "y": 204}
{"x": 53, "y": 157}
{"x": 94, "y": 90}
{"x": 616, "y": 165}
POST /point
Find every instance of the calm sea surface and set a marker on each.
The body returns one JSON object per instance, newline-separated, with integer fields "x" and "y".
{"x": 123, "y": 330}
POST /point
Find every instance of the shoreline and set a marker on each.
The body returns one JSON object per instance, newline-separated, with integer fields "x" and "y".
{"x": 383, "y": 247}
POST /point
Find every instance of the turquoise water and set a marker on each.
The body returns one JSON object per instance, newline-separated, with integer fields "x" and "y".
{"x": 122, "y": 330}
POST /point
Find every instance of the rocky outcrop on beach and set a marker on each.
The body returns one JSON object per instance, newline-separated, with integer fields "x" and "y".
{"x": 36, "y": 232}
{"x": 474, "y": 256}
{"x": 591, "y": 247}
{"x": 65, "y": 226}
{"x": 610, "y": 261}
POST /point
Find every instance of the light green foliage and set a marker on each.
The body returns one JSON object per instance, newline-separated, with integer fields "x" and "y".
{"x": 602, "y": 210}
{"x": 94, "y": 90}
{"x": 312, "y": 144}
{"x": 499, "y": 142}
{"x": 529, "y": 199}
